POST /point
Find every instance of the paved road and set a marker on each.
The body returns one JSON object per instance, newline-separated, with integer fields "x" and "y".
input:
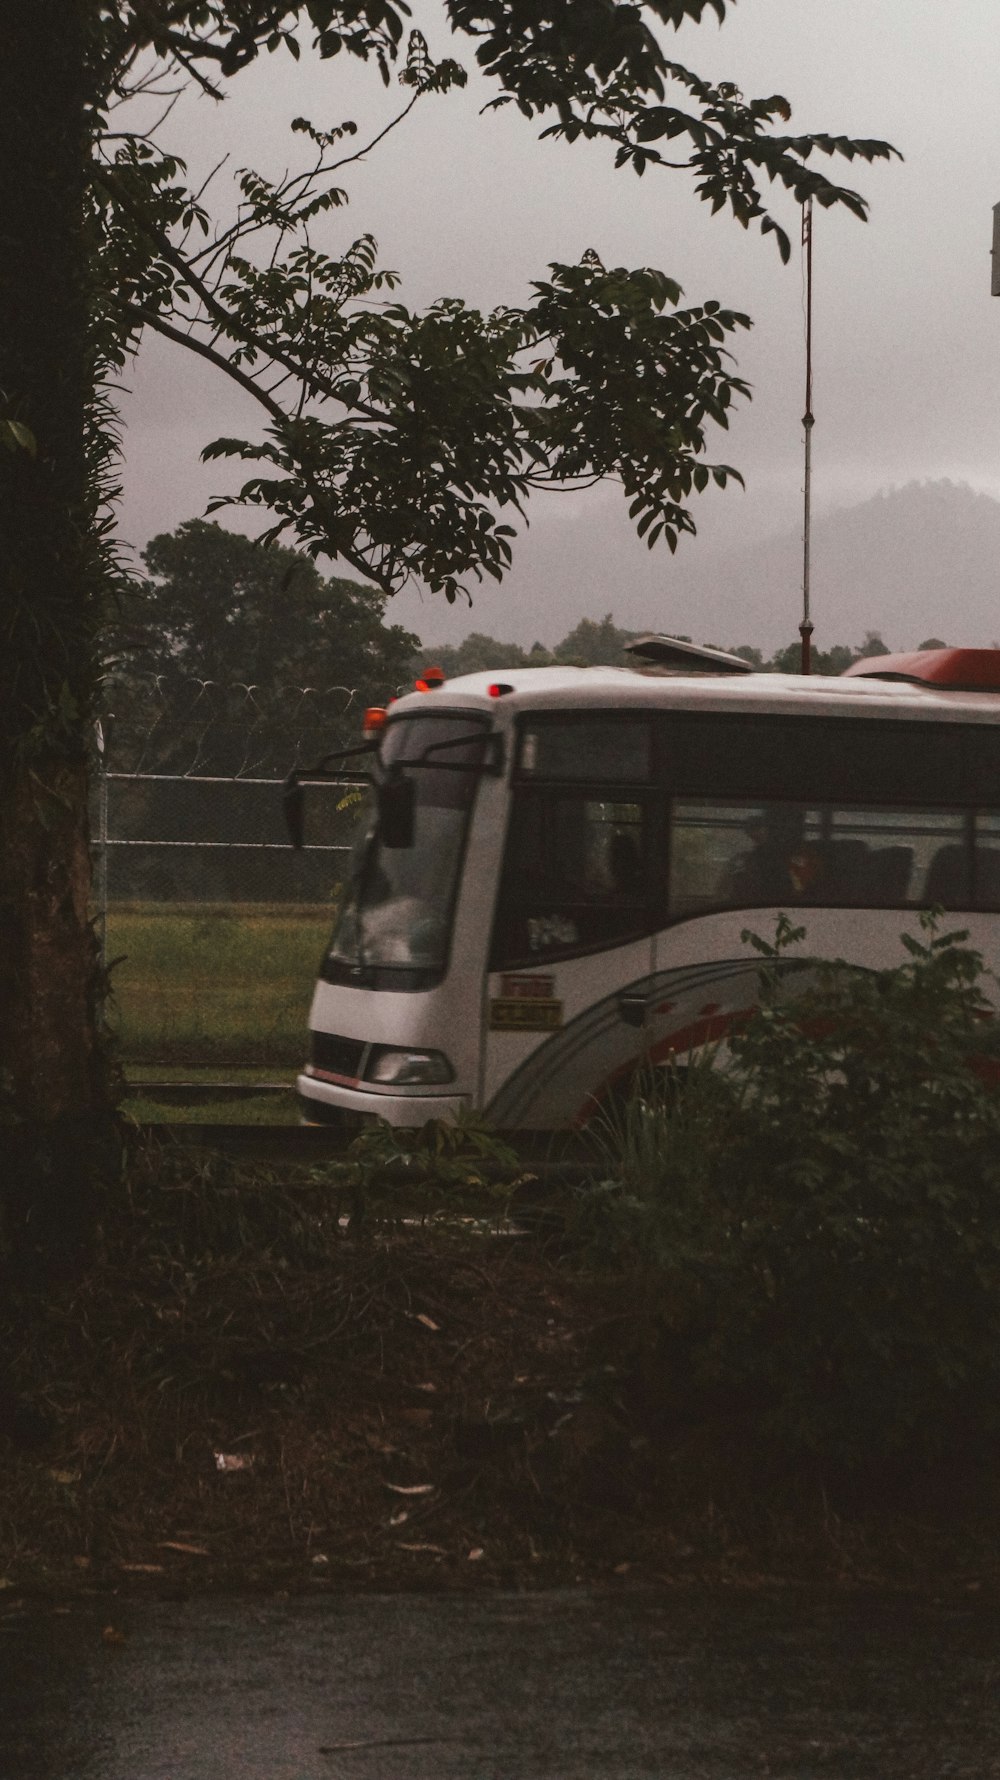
{"x": 564, "y": 1686}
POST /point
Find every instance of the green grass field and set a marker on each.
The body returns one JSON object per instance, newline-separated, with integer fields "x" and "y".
{"x": 213, "y": 989}
{"x": 157, "y": 1096}
{"x": 152, "y": 1109}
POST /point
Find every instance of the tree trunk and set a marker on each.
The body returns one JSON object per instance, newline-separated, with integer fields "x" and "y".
{"x": 54, "y": 1104}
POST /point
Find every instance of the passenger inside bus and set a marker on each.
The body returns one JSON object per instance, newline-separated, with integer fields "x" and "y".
{"x": 780, "y": 865}
{"x": 624, "y": 863}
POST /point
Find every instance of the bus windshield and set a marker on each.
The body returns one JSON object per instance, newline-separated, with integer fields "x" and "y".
{"x": 394, "y": 928}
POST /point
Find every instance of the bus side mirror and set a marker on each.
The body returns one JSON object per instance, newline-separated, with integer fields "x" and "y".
{"x": 291, "y": 803}
{"x": 397, "y": 799}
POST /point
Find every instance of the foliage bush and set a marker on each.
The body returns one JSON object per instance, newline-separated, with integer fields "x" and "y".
{"x": 810, "y": 1219}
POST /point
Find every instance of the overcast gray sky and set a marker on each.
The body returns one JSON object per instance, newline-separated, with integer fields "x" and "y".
{"x": 907, "y": 338}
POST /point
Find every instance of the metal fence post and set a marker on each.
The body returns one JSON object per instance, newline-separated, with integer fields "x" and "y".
{"x": 102, "y": 844}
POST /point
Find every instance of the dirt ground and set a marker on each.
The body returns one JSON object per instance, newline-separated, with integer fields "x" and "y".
{"x": 248, "y": 1389}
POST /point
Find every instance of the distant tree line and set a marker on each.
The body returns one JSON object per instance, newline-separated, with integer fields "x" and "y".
{"x": 231, "y": 656}
{"x": 593, "y": 642}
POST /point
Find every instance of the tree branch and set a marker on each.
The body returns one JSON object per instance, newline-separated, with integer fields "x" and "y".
{"x": 219, "y": 313}
{"x": 360, "y": 153}
{"x": 149, "y": 318}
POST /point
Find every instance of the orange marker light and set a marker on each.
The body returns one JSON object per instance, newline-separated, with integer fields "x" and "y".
{"x": 374, "y": 719}
{"x": 430, "y": 679}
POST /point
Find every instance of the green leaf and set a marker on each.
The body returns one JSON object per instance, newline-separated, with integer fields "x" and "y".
{"x": 15, "y": 436}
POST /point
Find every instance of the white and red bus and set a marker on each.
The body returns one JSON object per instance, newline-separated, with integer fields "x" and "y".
{"x": 556, "y": 865}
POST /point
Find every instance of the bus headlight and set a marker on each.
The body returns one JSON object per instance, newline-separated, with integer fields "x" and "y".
{"x": 407, "y": 1068}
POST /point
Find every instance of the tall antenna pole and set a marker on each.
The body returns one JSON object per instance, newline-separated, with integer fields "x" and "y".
{"x": 806, "y": 627}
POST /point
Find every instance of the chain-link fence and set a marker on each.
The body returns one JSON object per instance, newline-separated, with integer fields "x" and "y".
{"x": 170, "y": 838}
{"x": 200, "y": 728}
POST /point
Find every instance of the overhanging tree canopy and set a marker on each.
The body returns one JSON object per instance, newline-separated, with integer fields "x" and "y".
{"x": 395, "y": 441}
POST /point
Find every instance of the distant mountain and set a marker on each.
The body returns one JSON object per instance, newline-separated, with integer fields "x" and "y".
{"x": 917, "y": 561}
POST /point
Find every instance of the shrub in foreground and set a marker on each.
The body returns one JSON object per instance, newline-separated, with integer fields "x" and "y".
{"x": 811, "y": 1219}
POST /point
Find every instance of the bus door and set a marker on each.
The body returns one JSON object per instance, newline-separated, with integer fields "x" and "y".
{"x": 572, "y": 954}
{"x": 731, "y": 867}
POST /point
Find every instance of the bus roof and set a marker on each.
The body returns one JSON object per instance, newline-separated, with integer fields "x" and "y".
{"x": 960, "y": 670}
{"x": 596, "y": 688}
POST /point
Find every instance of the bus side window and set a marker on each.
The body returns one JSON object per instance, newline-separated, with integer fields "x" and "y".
{"x": 736, "y": 855}
{"x": 707, "y": 841}
{"x": 743, "y": 855}
{"x": 986, "y": 894}
{"x": 910, "y": 854}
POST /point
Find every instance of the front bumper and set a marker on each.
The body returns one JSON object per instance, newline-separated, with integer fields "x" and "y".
{"x": 323, "y": 1100}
